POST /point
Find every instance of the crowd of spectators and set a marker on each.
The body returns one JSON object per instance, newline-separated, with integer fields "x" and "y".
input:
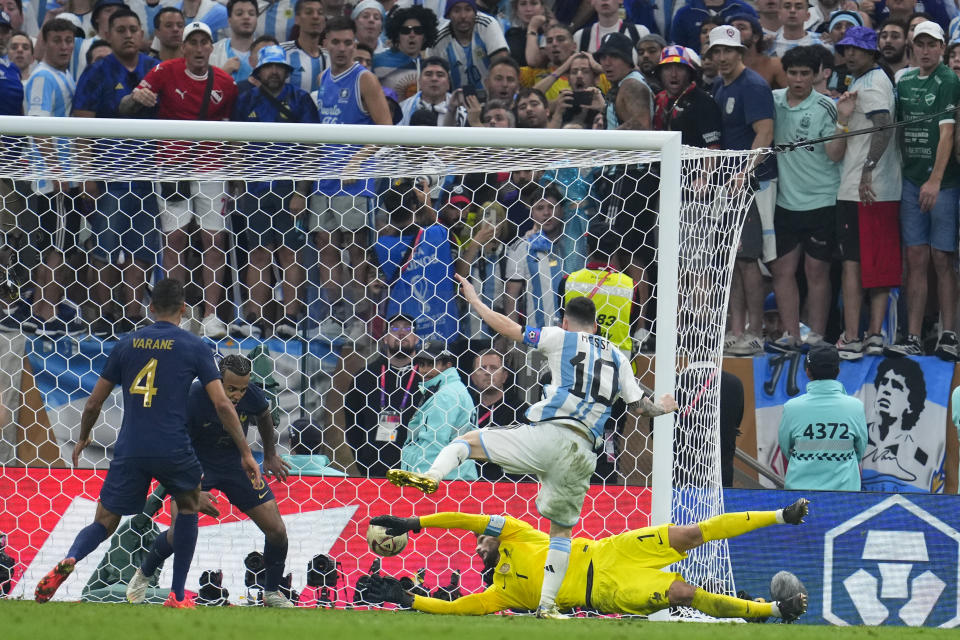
{"x": 336, "y": 258}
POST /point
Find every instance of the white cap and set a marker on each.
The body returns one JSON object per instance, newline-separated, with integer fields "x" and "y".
{"x": 725, "y": 36}
{"x": 72, "y": 18}
{"x": 929, "y": 28}
{"x": 193, "y": 27}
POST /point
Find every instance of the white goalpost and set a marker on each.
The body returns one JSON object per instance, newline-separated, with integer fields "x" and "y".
{"x": 689, "y": 198}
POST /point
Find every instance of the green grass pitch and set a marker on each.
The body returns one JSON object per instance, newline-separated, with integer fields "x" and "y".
{"x": 24, "y": 620}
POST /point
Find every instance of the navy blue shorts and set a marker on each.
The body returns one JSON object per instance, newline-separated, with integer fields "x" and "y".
{"x": 227, "y": 475}
{"x": 126, "y": 222}
{"x": 125, "y": 488}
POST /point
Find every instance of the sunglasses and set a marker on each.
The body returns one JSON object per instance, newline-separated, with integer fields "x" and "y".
{"x": 408, "y": 30}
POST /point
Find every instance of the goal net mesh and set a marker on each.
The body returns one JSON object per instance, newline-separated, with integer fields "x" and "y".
{"x": 328, "y": 265}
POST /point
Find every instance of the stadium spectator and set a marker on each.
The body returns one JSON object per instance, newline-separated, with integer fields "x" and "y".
{"x": 823, "y": 433}
{"x": 754, "y": 53}
{"x": 688, "y": 20}
{"x": 532, "y": 109}
{"x": 272, "y": 208}
{"x": 528, "y": 21}
{"x": 608, "y": 21}
{"x": 434, "y": 93}
{"x": 20, "y": 53}
{"x": 820, "y": 13}
{"x": 364, "y": 55}
{"x": 746, "y": 104}
{"x": 410, "y": 31}
{"x": 892, "y": 41}
{"x": 931, "y": 188}
{"x": 683, "y": 105}
{"x": 379, "y": 404}
{"x": 305, "y": 54}
{"x": 100, "y": 26}
{"x": 125, "y": 218}
{"x": 503, "y": 80}
{"x": 276, "y": 18}
{"x": 469, "y": 42}
{"x": 838, "y": 24}
{"x": 805, "y": 217}
{"x": 535, "y": 262}
{"x": 255, "y": 47}
{"x": 868, "y": 201}
{"x": 209, "y": 12}
{"x": 498, "y": 114}
{"x": 99, "y": 50}
{"x": 792, "y": 33}
{"x": 348, "y": 94}
{"x": 558, "y": 49}
{"x": 768, "y": 12}
{"x": 168, "y": 27}
{"x": 827, "y": 66}
{"x": 583, "y": 101}
{"x": 952, "y": 57}
{"x": 648, "y": 49}
{"x": 11, "y": 81}
{"x": 498, "y": 404}
{"x": 51, "y": 220}
{"x": 232, "y": 53}
{"x": 368, "y": 16}
{"x": 17, "y": 21}
{"x": 447, "y": 413}
{"x": 189, "y": 88}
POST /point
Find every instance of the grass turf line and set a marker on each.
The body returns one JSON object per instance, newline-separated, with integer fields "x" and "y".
{"x": 23, "y": 620}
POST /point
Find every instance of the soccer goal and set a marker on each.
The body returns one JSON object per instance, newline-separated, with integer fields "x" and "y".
{"x": 305, "y": 245}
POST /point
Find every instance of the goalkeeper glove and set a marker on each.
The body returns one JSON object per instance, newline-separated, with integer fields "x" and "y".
{"x": 388, "y": 589}
{"x": 397, "y": 526}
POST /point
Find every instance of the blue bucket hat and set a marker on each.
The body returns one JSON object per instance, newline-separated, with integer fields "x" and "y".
{"x": 860, "y": 37}
{"x": 272, "y": 54}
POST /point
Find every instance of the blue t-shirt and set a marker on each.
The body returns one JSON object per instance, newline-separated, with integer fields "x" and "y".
{"x": 11, "y": 89}
{"x": 340, "y": 102}
{"x": 207, "y": 432}
{"x": 743, "y": 102}
{"x": 155, "y": 367}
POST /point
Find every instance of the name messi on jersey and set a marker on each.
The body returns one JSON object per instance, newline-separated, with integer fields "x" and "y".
{"x": 150, "y": 343}
{"x": 598, "y": 341}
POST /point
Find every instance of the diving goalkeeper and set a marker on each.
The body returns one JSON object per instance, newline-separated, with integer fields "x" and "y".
{"x": 619, "y": 574}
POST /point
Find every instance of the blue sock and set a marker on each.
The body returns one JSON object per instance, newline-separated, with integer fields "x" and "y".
{"x": 184, "y": 543}
{"x": 274, "y": 557}
{"x": 87, "y": 540}
{"x": 160, "y": 551}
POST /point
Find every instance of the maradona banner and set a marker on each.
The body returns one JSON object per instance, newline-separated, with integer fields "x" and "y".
{"x": 905, "y": 400}
{"x": 865, "y": 558}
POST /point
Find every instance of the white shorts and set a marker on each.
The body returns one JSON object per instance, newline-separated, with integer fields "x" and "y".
{"x": 562, "y": 460}
{"x": 339, "y": 213}
{"x": 208, "y": 203}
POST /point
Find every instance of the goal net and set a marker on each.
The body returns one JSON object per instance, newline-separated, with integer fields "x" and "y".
{"x": 326, "y": 254}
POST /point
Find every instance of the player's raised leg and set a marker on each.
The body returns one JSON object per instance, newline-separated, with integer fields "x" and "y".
{"x": 449, "y": 458}
{"x": 267, "y": 517}
{"x": 730, "y": 525}
{"x": 682, "y": 594}
{"x": 89, "y": 538}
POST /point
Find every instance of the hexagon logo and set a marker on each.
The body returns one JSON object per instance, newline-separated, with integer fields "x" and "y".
{"x": 893, "y": 563}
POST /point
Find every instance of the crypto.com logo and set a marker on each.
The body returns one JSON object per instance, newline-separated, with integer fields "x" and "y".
{"x": 885, "y": 559}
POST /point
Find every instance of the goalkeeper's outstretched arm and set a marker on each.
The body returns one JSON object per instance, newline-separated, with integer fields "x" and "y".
{"x": 475, "y": 523}
{"x": 496, "y": 321}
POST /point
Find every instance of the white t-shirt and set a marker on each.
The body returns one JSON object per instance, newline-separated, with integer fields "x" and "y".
{"x": 598, "y": 33}
{"x": 781, "y": 44}
{"x": 587, "y": 375}
{"x": 874, "y": 94}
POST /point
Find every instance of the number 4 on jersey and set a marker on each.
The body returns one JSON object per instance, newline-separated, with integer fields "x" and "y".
{"x": 143, "y": 383}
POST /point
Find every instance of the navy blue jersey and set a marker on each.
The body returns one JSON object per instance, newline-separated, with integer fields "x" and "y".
{"x": 743, "y": 102}
{"x": 100, "y": 89}
{"x": 206, "y": 430}
{"x": 11, "y": 89}
{"x": 155, "y": 367}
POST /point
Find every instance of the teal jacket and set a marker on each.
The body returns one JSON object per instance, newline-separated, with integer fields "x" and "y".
{"x": 443, "y": 416}
{"x": 823, "y": 433}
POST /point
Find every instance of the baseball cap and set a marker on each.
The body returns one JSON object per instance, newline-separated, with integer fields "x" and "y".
{"x": 823, "y": 357}
{"x": 860, "y": 37}
{"x": 5, "y": 19}
{"x": 193, "y": 27}
{"x": 725, "y": 36}
{"x": 452, "y": 3}
{"x": 617, "y": 45}
{"x": 852, "y": 17}
{"x": 675, "y": 54}
{"x": 928, "y": 28}
{"x": 653, "y": 37}
{"x": 434, "y": 350}
{"x": 272, "y": 54}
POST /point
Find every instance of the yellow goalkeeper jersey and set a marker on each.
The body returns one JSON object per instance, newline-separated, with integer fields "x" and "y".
{"x": 605, "y": 567}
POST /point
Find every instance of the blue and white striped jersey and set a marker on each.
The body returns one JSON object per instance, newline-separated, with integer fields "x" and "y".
{"x": 306, "y": 69}
{"x": 49, "y": 92}
{"x": 588, "y": 374}
{"x": 275, "y": 19}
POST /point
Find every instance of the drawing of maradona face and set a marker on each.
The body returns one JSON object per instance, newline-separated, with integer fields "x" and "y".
{"x": 901, "y": 390}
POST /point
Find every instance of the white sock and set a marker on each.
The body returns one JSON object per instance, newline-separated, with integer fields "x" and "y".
{"x": 449, "y": 458}
{"x": 776, "y": 609}
{"x": 555, "y": 568}
{"x": 779, "y": 515}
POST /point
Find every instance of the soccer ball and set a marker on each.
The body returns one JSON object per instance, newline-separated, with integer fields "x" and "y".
{"x": 382, "y": 544}
{"x": 785, "y": 585}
